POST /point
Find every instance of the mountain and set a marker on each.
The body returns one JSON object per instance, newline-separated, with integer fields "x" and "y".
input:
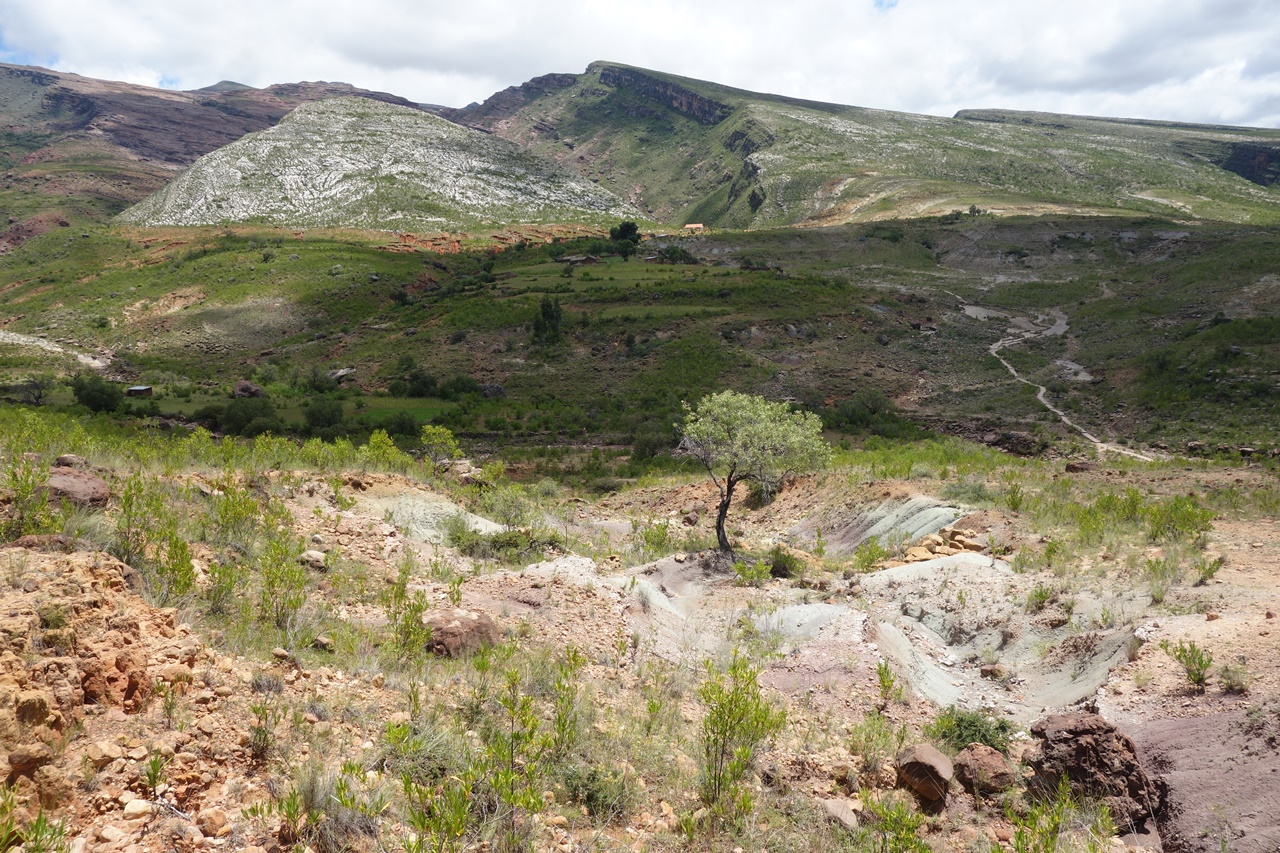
{"x": 678, "y": 150}
{"x": 352, "y": 162}
{"x": 686, "y": 150}
{"x": 77, "y": 149}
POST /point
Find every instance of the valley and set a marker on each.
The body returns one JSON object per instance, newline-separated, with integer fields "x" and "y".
{"x": 397, "y": 539}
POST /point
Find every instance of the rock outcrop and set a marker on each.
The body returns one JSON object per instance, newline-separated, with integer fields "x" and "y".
{"x": 1099, "y": 762}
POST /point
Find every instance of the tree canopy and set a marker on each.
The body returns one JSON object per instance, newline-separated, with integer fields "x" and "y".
{"x": 741, "y": 437}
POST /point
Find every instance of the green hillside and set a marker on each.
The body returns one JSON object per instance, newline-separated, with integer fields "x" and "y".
{"x": 1142, "y": 330}
{"x": 689, "y": 151}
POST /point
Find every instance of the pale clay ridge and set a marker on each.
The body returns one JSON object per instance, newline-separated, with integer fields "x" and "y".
{"x": 41, "y": 343}
{"x": 352, "y": 162}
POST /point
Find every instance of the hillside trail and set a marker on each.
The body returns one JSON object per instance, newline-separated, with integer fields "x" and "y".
{"x": 1025, "y": 328}
{"x": 40, "y": 343}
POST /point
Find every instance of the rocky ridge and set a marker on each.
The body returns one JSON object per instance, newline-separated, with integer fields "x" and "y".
{"x": 349, "y": 162}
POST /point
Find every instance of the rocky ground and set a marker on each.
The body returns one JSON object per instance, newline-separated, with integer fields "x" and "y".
{"x": 97, "y": 685}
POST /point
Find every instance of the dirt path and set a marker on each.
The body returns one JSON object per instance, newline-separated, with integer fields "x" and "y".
{"x": 1025, "y": 329}
{"x": 29, "y": 341}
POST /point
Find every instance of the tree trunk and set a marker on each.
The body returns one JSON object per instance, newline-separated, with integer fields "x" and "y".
{"x": 722, "y": 512}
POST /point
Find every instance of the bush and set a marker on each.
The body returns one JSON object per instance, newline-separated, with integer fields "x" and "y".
{"x": 1235, "y": 678}
{"x": 605, "y": 793}
{"x": 323, "y": 413}
{"x": 1196, "y": 662}
{"x": 96, "y": 394}
{"x": 955, "y": 729}
{"x": 784, "y": 564}
{"x": 750, "y": 574}
{"x": 737, "y": 722}
{"x": 242, "y": 413}
{"x": 454, "y": 388}
{"x": 875, "y": 739}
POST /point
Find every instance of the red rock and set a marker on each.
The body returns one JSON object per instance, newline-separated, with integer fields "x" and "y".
{"x": 925, "y": 770}
{"x": 983, "y": 770}
{"x": 458, "y": 632}
{"x": 1099, "y": 762}
{"x": 79, "y": 487}
{"x": 24, "y": 759}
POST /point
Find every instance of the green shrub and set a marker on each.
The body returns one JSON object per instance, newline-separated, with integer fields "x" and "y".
{"x": 404, "y": 608}
{"x": 1179, "y": 519}
{"x": 323, "y": 413}
{"x": 784, "y": 564}
{"x": 750, "y": 573}
{"x": 605, "y": 793}
{"x": 896, "y": 825}
{"x": 249, "y": 416}
{"x": 29, "y": 511}
{"x": 96, "y": 394}
{"x": 1040, "y": 597}
{"x": 869, "y": 555}
{"x": 956, "y": 728}
{"x": 736, "y": 723}
{"x": 874, "y": 739}
{"x": 1196, "y": 662}
{"x": 1161, "y": 575}
{"x": 1052, "y": 825}
{"x": 283, "y": 581}
{"x": 1206, "y": 569}
{"x": 1235, "y": 677}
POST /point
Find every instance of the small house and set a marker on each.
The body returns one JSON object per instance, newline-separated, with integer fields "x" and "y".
{"x": 138, "y": 391}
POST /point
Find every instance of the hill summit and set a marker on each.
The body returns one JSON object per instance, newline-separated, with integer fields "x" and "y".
{"x": 352, "y": 162}
{"x": 687, "y": 150}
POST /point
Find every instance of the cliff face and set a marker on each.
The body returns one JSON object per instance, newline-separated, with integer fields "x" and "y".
{"x": 1255, "y": 162}
{"x": 705, "y": 110}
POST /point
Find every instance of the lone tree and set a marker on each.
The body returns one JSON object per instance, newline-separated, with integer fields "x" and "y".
{"x": 741, "y": 437}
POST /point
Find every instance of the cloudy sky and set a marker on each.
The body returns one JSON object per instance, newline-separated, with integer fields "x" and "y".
{"x": 1212, "y": 61}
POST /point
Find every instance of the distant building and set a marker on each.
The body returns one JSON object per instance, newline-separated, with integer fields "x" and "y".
{"x": 138, "y": 391}
{"x": 694, "y": 226}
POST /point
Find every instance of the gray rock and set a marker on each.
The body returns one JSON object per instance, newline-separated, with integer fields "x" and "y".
{"x": 839, "y": 812}
{"x": 312, "y": 558}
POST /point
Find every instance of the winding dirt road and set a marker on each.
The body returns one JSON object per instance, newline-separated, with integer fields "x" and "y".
{"x": 1037, "y": 328}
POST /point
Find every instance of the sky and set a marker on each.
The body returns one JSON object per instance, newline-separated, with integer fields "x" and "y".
{"x": 1214, "y": 61}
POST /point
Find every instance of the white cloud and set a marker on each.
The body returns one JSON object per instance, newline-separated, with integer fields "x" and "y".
{"x": 1195, "y": 60}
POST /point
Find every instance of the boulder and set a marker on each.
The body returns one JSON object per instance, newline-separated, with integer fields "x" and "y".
{"x": 458, "y": 632}
{"x": 1099, "y": 762}
{"x": 925, "y": 771}
{"x": 245, "y": 388}
{"x": 79, "y": 487}
{"x": 312, "y": 558}
{"x": 983, "y": 770}
{"x": 211, "y": 821}
{"x": 26, "y": 758}
{"x": 1080, "y": 467}
{"x": 31, "y": 707}
{"x": 841, "y": 813}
